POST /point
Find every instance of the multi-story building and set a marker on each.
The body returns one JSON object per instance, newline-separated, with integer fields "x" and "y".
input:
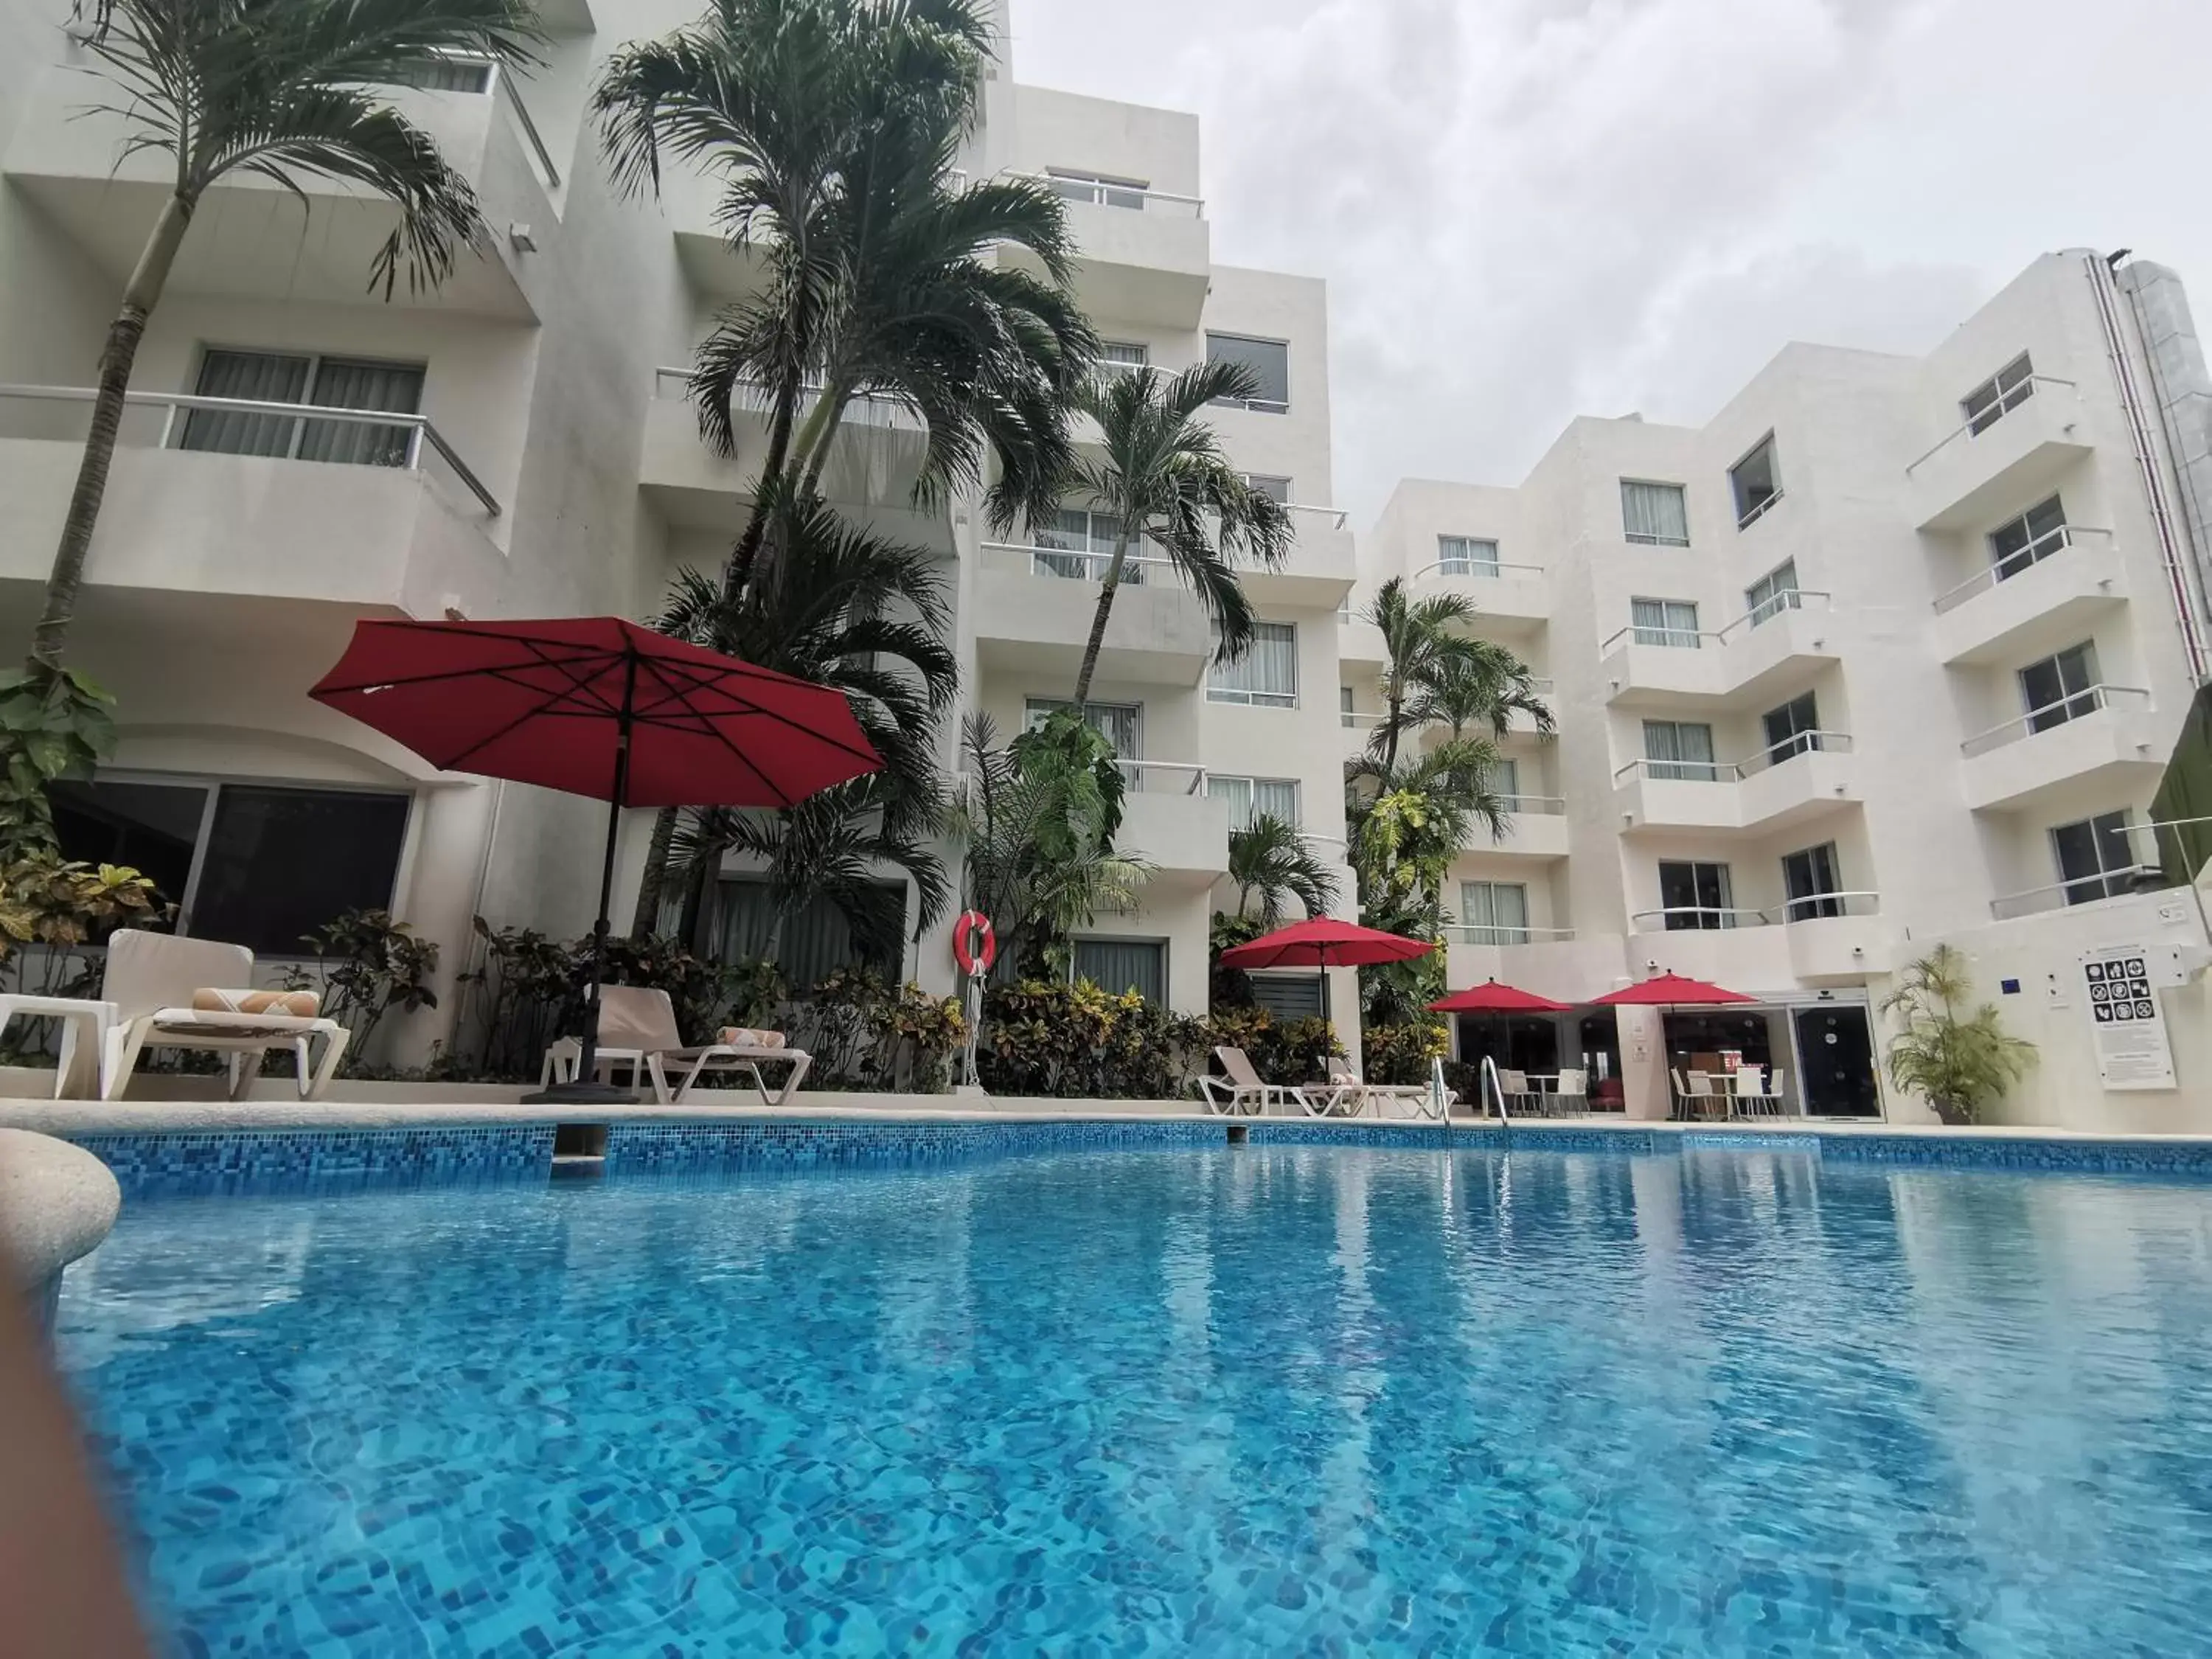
{"x": 518, "y": 443}
{"x": 1892, "y": 651}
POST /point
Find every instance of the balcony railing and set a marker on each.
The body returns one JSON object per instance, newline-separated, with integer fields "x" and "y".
{"x": 1988, "y": 418}
{"x": 1691, "y": 638}
{"x": 1478, "y": 570}
{"x": 1149, "y": 777}
{"x": 410, "y": 438}
{"x": 866, "y": 409}
{"x": 1698, "y": 771}
{"x": 1473, "y": 933}
{"x": 2050, "y": 542}
{"x": 1757, "y": 510}
{"x": 1537, "y": 806}
{"x": 2052, "y": 715}
{"x": 1711, "y": 918}
{"x": 1107, "y": 193}
{"x": 496, "y": 83}
{"x": 2082, "y": 889}
{"x": 1079, "y": 564}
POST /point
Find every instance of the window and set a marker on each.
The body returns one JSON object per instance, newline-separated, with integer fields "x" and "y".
{"x": 1810, "y": 883}
{"x": 1275, "y": 488}
{"x": 1266, "y": 675}
{"x": 2095, "y": 858}
{"x": 1249, "y": 798}
{"x": 1084, "y": 545}
{"x": 1672, "y": 622}
{"x": 1773, "y": 594}
{"x": 257, "y": 865}
{"x": 1502, "y": 777}
{"x": 2022, "y": 543}
{"x": 1344, "y": 706}
{"x": 1121, "y": 356}
{"x": 1696, "y": 897}
{"x": 2061, "y": 687}
{"x": 330, "y": 382}
{"x": 1466, "y": 555}
{"x": 2007, "y": 390}
{"x": 1290, "y": 996}
{"x": 1097, "y": 187}
{"x": 1270, "y": 363}
{"x": 1494, "y": 912}
{"x": 1755, "y": 482}
{"x": 1653, "y": 514}
{"x": 1123, "y": 723}
{"x": 441, "y": 75}
{"x": 1791, "y": 729}
{"x": 816, "y": 940}
{"x": 1679, "y": 750}
{"x": 1116, "y": 966}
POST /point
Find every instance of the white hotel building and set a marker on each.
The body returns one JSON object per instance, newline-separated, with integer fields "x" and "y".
{"x": 1873, "y": 659}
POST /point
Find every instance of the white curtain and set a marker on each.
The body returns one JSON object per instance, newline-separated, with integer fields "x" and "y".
{"x": 260, "y": 376}
{"x": 1679, "y": 750}
{"x": 1249, "y": 798}
{"x": 1120, "y": 722}
{"x": 1655, "y": 512}
{"x": 1497, "y": 911}
{"x": 1671, "y": 623}
{"x": 341, "y": 383}
{"x": 1463, "y": 556}
{"x": 1266, "y": 673}
{"x": 1116, "y": 966}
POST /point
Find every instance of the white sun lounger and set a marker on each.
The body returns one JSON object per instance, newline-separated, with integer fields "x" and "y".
{"x": 637, "y": 1028}
{"x": 1242, "y": 1093}
{"x": 150, "y": 981}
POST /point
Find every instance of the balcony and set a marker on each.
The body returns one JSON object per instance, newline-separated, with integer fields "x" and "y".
{"x": 2102, "y": 742}
{"x": 1809, "y": 776}
{"x": 1835, "y": 938}
{"x": 2012, "y": 452}
{"x": 2047, "y": 594}
{"x": 1033, "y": 608}
{"x": 1321, "y": 569}
{"x": 408, "y": 533}
{"x": 1763, "y": 654}
{"x": 1511, "y": 599}
{"x": 1553, "y": 962}
{"x": 874, "y": 462}
{"x": 1142, "y": 256}
{"x": 250, "y": 239}
{"x": 1536, "y": 828}
{"x": 1168, "y": 821}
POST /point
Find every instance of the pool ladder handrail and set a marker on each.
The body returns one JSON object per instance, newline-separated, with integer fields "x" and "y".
{"x": 1490, "y": 1087}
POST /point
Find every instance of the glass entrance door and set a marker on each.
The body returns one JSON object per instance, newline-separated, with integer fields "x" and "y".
{"x": 1836, "y": 1048}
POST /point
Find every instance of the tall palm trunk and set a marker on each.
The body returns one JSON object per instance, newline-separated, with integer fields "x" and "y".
{"x": 645, "y": 922}
{"x": 140, "y": 296}
{"x": 819, "y": 435}
{"x": 1097, "y": 638}
{"x": 746, "y": 554}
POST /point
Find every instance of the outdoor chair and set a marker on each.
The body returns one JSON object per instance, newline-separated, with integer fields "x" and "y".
{"x": 1704, "y": 1103}
{"x": 171, "y": 993}
{"x": 637, "y": 1029}
{"x": 1572, "y": 1099}
{"x": 1514, "y": 1085}
{"x": 1763, "y": 1098}
{"x": 1240, "y": 1093}
{"x": 1345, "y": 1096}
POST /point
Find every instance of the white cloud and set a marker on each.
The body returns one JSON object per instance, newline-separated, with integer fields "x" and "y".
{"x": 1532, "y": 208}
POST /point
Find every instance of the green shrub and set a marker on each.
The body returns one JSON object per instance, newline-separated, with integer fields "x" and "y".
{"x": 1400, "y": 1054}
{"x": 866, "y": 1034}
{"x": 366, "y": 965}
{"x": 1281, "y": 1051}
{"x": 1077, "y": 1042}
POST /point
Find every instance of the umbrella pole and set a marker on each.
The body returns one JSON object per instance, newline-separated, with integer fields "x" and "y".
{"x": 587, "y": 1089}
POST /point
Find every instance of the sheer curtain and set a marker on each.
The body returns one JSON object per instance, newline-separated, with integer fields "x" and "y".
{"x": 343, "y": 383}
{"x": 1464, "y": 555}
{"x": 1497, "y": 911}
{"x": 1671, "y": 623}
{"x": 1116, "y": 966}
{"x": 1266, "y": 673}
{"x": 1679, "y": 750}
{"x": 1655, "y": 514}
{"x": 261, "y": 376}
{"x": 1249, "y": 798}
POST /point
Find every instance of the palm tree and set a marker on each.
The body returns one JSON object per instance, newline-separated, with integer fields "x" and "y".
{"x": 281, "y": 90}
{"x": 1270, "y": 858}
{"x": 1422, "y": 648}
{"x": 1958, "y": 1060}
{"x": 1164, "y": 479}
{"x": 1478, "y": 683}
{"x": 867, "y": 614}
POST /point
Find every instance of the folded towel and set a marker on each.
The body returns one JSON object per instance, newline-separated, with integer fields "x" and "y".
{"x": 744, "y": 1037}
{"x": 297, "y": 1004}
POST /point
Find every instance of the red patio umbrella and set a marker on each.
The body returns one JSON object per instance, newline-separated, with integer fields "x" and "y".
{"x": 1670, "y": 991}
{"x": 1492, "y": 997}
{"x": 1324, "y": 942}
{"x": 597, "y": 706}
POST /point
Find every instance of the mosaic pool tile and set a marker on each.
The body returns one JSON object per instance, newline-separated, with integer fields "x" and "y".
{"x": 234, "y": 1162}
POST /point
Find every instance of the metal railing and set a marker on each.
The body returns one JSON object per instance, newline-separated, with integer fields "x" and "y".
{"x": 1478, "y": 570}
{"x": 499, "y": 85}
{"x": 1475, "y": 933}
{"x": 867, "y": 409}
{"x": 1108, "y": 192}
{"x": 1745, "y": 520}
{"x": 1722, "y": 918}
{"x": 1981, "y": 422}
{"x": 1337, "y": 516}
{"x": 2048, "y": 545}
{"x": 1539, "y": 806}
{"x": 2081, "y": 890}
{"x": 1181, "y": 777}
{"x": 2051, "y": 715}
{"x": 1701, "y": 919}
{"x": 414, "y": 432}
{"x": 1079, "y": 564}
{"x": 1698, "y": 771}
{"x": 1690, "y": 639}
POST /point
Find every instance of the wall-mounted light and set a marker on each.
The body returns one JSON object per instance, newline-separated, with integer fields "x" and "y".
{"x": 519, "y": 239}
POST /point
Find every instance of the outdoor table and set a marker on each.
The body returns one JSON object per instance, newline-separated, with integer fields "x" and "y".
{"x": 84, "y": 1031}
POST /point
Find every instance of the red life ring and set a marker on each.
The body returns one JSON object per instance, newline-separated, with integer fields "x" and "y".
{"x": 974, "y": 943}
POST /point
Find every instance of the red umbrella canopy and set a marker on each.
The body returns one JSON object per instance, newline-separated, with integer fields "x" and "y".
{"x": 544, "y": 702}
{"x": 1495, "y": 999}
{"x": 1324, "y": 942}
{"x": 1670, "y": 990}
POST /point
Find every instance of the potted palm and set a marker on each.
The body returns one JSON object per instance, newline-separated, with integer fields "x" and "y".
{"x": 1959, "y": 1060}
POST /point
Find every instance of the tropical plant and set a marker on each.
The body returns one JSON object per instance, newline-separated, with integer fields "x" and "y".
{"x": 516, "y": 1000}
{"x": 60, "y": 906}
{"x": 1400, "y": 1054}
{"x": 1052, "y": 1039}
{"x": 1959, "y": 1061}
{"x": 278, "y": 90}
{"x": 866, "y": 1033}
{"x": 1037, "y": 832}
{"x": 1281, "y": 1050}
{"x": 365, "y": 966}
{"x": 1161, "y": 478}
{"x": 1270, "y": 857}
{"x": 1436, "y": 672}
{"x": 1480, "y": 685}
{"x": 699, "y": 990}
{"x": 867, "y": 615}
{"x": 832, "y": 127}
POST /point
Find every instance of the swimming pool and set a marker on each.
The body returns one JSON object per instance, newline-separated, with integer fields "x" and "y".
{"x": 1245, "y": 1400}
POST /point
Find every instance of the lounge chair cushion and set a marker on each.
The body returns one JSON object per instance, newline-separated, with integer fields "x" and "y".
{"x": 297, "y": 1004}
{"x": 745, "y": 1036}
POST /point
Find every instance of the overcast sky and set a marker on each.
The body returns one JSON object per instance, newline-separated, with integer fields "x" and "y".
{"x": 1528, "y": 210}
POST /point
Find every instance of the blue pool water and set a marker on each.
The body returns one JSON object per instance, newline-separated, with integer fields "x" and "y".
{"x": 1264, "y": 1400}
